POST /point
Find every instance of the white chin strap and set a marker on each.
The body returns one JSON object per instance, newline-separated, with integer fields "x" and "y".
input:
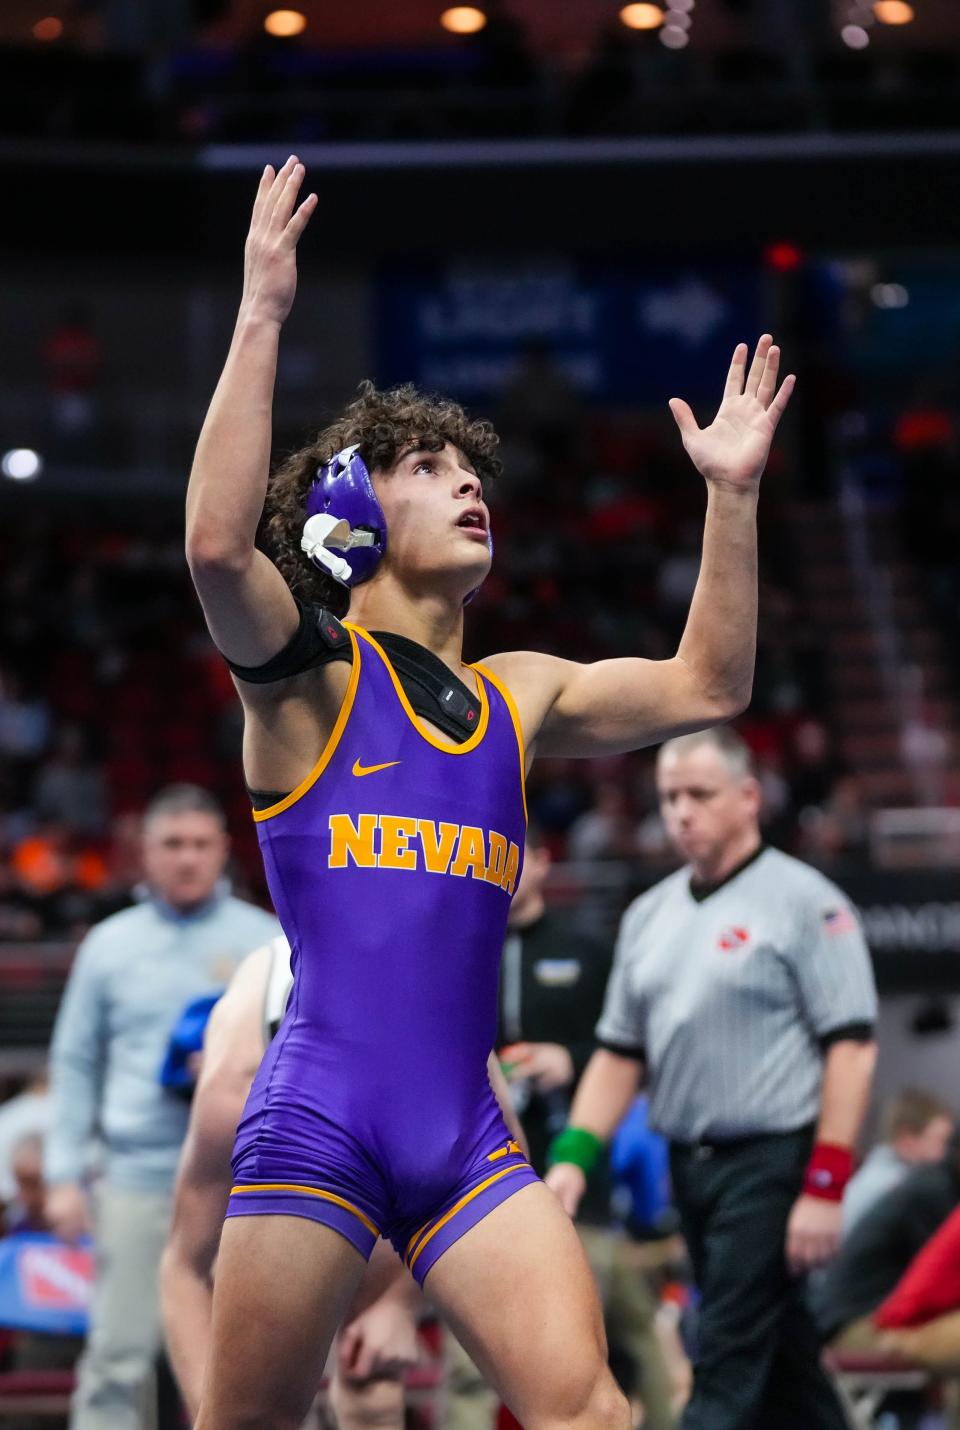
{"x": 323, "y": 531}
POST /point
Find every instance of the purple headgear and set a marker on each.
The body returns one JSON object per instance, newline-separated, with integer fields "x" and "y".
{"x": 342, "y": 489}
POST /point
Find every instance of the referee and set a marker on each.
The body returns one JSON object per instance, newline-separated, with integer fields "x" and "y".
{"x": 742, "y": 989}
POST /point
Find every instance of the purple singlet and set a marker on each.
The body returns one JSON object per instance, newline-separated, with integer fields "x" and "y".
{"x": 391, "y": 868}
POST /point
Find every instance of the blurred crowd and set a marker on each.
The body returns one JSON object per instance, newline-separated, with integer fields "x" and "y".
{"x": 168, "y": 85}
{"x": 110, "y": 688}
{"x": 105, "y": 1136}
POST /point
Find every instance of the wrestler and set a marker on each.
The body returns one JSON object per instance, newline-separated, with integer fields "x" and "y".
{"x": 392, "y": 848}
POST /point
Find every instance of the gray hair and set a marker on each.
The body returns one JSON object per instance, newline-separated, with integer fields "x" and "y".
{"x": 731, "y": 747}
{"x": 184, "y": 799}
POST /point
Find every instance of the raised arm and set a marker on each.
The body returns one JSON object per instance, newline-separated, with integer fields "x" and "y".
{"x": 613, "y": 706}
{"x": 249, "y": 609}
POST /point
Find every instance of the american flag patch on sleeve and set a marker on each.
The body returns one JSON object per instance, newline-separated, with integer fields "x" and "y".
{"x": 839, "y": 920}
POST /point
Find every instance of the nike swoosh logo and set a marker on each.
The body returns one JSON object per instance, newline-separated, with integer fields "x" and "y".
{"x": 359, "y": 769}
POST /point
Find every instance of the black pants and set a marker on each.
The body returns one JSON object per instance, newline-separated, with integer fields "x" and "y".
{"x": 758, "y": 1366}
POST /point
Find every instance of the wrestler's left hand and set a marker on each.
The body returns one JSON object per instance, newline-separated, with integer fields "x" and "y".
{"x": 380, "y": 1343}
{"x": 813, "y": 1232}
{"x": 733, "y": 450}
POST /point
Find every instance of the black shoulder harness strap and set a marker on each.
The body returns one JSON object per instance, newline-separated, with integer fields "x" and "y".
{"x": 431, "y": 687}
{"x": 434, "y": 692}
{"x": 318, "y": 639}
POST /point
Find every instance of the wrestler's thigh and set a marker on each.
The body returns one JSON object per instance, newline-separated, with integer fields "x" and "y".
{"x": 282, "y": 1287}
{"x": 519, "y": 1295}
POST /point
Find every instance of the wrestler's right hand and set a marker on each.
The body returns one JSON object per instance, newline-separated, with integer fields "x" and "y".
{"x": 568, "y": 1182}
{"x": 270, "y": 252}
{"x": 66, "y": 1211}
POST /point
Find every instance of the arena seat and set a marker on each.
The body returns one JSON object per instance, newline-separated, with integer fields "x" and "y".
{"x": 35, "y": 1392}
{"x": 863, "y": 1379}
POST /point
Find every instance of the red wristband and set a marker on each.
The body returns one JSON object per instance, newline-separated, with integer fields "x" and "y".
{"x": 828, "y": 1171}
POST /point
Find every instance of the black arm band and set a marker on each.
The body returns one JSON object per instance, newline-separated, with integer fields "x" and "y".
{"x": 622, "y": 1050}
{"x": 319, "y": 638}
{"x": 848, "y": 1033}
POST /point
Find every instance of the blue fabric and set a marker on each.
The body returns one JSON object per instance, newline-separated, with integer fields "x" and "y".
{"x": 187, "y": 1038}
{"x": 640, "y": 1161}
{"x": 45, "y": 1284}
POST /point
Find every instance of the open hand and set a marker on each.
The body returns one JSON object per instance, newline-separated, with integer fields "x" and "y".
{"x": 568, "y": 1184}
{"x": 733, "y": 450}
{"x": 66, "y": 1211}
{"x": 270, "y": 253}
{"x": 813, "y": 1233}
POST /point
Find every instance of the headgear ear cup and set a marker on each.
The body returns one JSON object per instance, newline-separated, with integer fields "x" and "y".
{"x": 343, "y": 492}
{"x": 343, "y": 489}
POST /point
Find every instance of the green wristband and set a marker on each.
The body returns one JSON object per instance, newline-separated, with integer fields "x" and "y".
{"x": 576, "y": 1145}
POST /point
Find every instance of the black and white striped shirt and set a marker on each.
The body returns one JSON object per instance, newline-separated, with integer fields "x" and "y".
{"x": 731, "y": 995}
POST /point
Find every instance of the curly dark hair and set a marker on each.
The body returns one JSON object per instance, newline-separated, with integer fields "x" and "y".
{"x": 381, "y": 424}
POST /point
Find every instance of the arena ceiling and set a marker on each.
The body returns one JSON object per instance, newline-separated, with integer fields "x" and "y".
{"x": 564, "y": 31}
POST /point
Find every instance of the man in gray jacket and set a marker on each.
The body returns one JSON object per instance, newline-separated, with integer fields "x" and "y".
{"x": 132, "y": 977}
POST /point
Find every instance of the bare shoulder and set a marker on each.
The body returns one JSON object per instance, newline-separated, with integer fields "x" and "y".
{"x": 233, "y": 1043}
{"x": 535, "y": 680}
{"x": 287, "y": 723}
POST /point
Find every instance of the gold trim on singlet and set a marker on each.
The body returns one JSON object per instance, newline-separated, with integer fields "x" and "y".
{"x": 310, "y": 1191}
{"x": 329, "y": 749}
{"x": 423, "y": 1236}
{"x": 510, "y": 703}
{"x": 422, "y": 731}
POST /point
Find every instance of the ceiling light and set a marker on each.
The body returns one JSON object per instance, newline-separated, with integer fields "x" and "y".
{"x": 674, "y": 37}
{"x": 676, "y": 20}
{"x": 893, "y": 12}
{"x": 463, "y": 20}
{"x": 855, "y": 37}
{"x": 21, "y": 464}
{"x": 889, "y": 295}
{"x": 49, "y": 28}
{"x": 284, "y": 24}
{"x": 642, "y": 17}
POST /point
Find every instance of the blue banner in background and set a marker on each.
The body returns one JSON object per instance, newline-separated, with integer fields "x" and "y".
{"x": 619, "y": 334}
{"x": 45, "y": 1284}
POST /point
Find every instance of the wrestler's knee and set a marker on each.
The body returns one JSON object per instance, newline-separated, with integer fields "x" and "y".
{"x": 587, "y": 1402}
{"x": 608, "y": 1407}
{"x": 367, "y": 1405}
{"x": 249, "y": 1418}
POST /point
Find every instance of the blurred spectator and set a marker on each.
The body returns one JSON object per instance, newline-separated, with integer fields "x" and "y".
{"x": 879, "y": 1249}
{"x": 930, "y": 1288}
{"x": 70, "y": 787}
{"x": 29, "y": 1196}
{"x": 606, "y": 830}
{"x": 27, "y": 1114}
{"x": 73, "y": 359}
{"x": 62, "y": 876}
{"x": 678, "y": 571}
{"x": 33, "y": 1350}
{"x": 24, "y": 719}
{"x": 812, "y": 767}
{"x": 839, "y": 828}
{"x": 917, "y": 1127}
{"x": 132, "y": 977}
